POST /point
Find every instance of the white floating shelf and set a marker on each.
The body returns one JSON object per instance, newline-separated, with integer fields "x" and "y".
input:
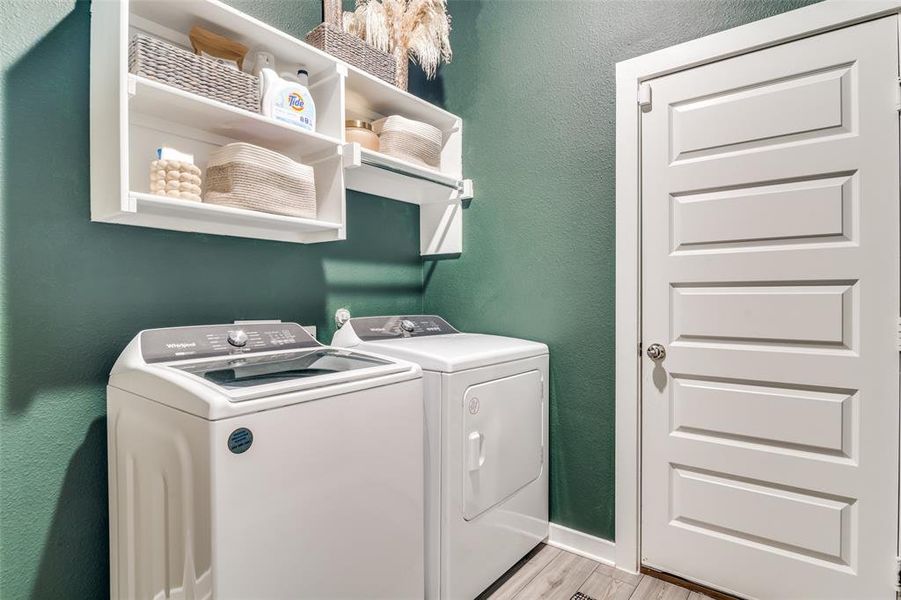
{"x": 371, "y": 98}
{"x": 178, "y": 16}
{"x": 162, "y": 101}
{"x": 131, "y": 116}
{"x": 150, "y": 210}
{"x": 382, "y": 175}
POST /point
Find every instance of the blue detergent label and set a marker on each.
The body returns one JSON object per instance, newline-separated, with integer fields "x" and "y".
{"x": 292, "y": 106}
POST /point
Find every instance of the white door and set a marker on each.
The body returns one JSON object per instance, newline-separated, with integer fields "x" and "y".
{"x": 770, "y": 253}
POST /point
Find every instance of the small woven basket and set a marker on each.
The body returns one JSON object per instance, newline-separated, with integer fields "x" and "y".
{"x": 163, "y": 62}
{"x": 409, "y": 140}
{"x": 244, "y": 176}
{"x": 352, "y": 50}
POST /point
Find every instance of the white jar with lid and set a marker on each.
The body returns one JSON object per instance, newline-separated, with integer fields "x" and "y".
{"x": 361, "y": 132}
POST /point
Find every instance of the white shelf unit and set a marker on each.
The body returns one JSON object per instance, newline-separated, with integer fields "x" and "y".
{"x": 177, "y": 214}
{"x": 440, "y": 193}
{"x": 131, "y": 116}
{"x": 164, "y": 102}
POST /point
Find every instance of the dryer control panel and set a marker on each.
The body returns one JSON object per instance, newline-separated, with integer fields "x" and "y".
{"x": 205, "y": 341}
{"x": 370, "y": 329}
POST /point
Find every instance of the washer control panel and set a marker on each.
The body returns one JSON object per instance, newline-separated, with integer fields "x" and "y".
{"x": 179, "y": 343}
{"x": 387, "y": 328}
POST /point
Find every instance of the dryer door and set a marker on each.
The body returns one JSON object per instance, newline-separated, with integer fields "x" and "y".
{"x": 502, "y": 440}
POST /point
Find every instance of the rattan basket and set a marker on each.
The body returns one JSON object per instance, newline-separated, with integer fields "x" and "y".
{"x": 163, "y": 62}
{"x": 245, "y": 176}
{"x": 352, "y": 50}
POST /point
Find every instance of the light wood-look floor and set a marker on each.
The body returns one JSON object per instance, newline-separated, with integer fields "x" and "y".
{"x": 553, "y": 574}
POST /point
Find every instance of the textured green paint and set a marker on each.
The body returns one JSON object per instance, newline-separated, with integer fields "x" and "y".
{"x": 75, "y": 292}
{"x": 534, "y": 83}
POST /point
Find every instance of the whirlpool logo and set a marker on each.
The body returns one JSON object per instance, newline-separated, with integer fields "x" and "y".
{"x": 181, "y": 345}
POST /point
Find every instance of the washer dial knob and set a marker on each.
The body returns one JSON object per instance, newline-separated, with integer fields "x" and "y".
{"x": 237, "y": 338}
{"x": 407, "y": 325}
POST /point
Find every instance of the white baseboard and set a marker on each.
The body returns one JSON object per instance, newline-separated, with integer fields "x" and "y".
{"x": 583, "y": 544}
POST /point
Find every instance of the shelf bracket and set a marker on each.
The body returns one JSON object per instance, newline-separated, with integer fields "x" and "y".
{"x": 440, "y": 200}
{"x": 466, "y": 192}
{"x": 441, "y": 229}
{"x": 352, "y": 156}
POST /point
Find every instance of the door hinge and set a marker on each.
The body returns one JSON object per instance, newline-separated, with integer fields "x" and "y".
{"x": 898, "y": 94}
{"x": 644, "y": 96}
{"x": 899, "y": 334}
{"x": 898, "y": 574}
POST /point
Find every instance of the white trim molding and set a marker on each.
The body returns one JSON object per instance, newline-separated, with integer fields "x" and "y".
{"x": 793, "y": 25}
{"x": 583, "y": 544}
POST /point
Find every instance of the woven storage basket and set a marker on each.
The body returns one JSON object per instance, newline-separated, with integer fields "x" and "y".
{"x": 352, "y": 50}
{"x": 163, "y": 62}
{"x": 246, "y": 176}
{"x": 409, "y": 140}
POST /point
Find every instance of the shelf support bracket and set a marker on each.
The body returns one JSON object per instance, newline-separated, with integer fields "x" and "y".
{"x": 352, "y": 156}
{"x": 466, "y": 192}
{"x": 441, "y": 229}
{"x": 440, "y": 210}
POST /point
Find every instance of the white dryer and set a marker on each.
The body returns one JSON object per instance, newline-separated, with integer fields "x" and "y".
{"x": 252, "y": 462}
{"x": 486, "y": 445}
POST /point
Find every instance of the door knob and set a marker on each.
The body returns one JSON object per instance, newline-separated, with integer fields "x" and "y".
{"x": 656, "y": 352}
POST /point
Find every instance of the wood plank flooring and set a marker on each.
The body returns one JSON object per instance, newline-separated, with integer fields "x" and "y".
{"x": 549, "y": 573}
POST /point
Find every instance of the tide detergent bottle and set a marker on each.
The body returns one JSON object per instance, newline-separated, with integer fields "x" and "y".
{"x": 287, "y": 99}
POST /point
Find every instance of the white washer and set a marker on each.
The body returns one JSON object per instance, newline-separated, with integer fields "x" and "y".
{"x": 252, "y": 462}
{"x": 486, "y": 445}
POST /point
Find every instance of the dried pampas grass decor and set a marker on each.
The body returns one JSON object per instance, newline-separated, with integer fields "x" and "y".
{"x": 417, "y": 30}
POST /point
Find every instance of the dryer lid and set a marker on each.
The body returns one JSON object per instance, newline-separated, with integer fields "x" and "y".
{"x": 433, "y": 343}
{"x": 457, "y": 352}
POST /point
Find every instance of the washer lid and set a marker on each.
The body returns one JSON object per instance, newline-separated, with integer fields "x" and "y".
{"x": 220, "y": 371}
{"x": 239, "y": 373}
{"x": 456, "y": 351}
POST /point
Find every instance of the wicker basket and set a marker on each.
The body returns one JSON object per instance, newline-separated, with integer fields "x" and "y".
{"x": 409, "y": 140}
{"x": 163, "y": 62}
{"x": 245, "y": 176}
{"x": 352, "y": 50}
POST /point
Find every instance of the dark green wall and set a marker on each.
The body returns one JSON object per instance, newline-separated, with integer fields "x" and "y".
{"x": 534, "y": 83}
{"x": 75, "y": 292}
{"x": 538, "y": 259}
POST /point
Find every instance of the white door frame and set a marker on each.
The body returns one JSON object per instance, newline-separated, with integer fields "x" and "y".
{"x": 793, "y": 25}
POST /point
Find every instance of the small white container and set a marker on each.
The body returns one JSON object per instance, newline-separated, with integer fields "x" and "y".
{"x": 361, "y": 132}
